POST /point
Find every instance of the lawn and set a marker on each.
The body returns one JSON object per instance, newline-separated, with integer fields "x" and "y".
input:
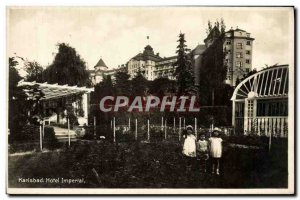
{"x": 147, "y": 165}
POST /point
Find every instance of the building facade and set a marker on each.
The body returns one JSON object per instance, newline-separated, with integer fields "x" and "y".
{"x": 101, "y": 70}
{"x": 238, "y": 46}
{"x": 151, "y": 65}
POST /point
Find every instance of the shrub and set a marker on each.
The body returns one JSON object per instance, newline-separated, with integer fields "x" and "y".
{"x": 49, "y": 138}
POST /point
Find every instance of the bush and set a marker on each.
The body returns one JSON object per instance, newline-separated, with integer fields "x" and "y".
{"x": 49, "y": 138}
{"x": 27, "y": 133}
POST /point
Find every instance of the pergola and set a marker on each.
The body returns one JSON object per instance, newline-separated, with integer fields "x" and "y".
{"x": 55, "y": 91}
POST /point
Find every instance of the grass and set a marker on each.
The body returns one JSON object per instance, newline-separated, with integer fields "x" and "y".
{"x": 148, "y": 165}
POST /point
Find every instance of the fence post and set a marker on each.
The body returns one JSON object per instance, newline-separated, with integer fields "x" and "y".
{"x": 129, "y": 124}
{"x": 165, "y": 129}
{"x": 179, "y": 138}
{"x": 41, "y": 139}
{"x": 69, "y": 136}
{"x": 114, "y": 126}
{"x": 184, "y": 122}
{"x": 95, "y": 125}
{"x": 135, "y": 129}
{"x": 196, "y": 134}
{"x": 174, "y": 125}
{"x": 148, "y": 130}
{"x": 43, "y": 130}
{"x": 162, "y": 123}
{"x": 270, "y": 139}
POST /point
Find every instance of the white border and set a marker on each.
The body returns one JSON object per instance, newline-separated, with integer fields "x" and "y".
{"x": 128, "y": 3}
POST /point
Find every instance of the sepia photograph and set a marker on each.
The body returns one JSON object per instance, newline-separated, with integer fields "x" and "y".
{"x": 154, "y": 100}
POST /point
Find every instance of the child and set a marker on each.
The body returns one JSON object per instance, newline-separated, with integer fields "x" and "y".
{"x": 189, "y": 147}
{"x": 215, "y": 150}
{"x": 202, "y": 150}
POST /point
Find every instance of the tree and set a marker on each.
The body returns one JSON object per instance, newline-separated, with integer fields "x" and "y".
{"x": 213, "y": 70}
{"x": 183, "y": 72}
{"x": 122, "y": 83}
{"x": 139, "y": 84}
{"x": 67, "y": 68}
{"x": 161, "y": 86}
{"x": 17, "y": 99}
{"x": 102, "y": 89}
{"x": 34, "y": 71}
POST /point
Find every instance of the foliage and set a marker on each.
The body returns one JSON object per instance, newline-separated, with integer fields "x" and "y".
{"x": 245, "y": 76}
{"x": 183, "y": 72}
{"x": 18, "y": 108}
{"x": 67, "y": 68}
{"x": 34, "y": 71}
{"x": 139, "y": 85}
{"x": 213, "y": 71}
{"x": 152, "y": 165}
{"x": 161, "y": 86}
{"x": 49, "y": 138}
{"x": 122, "y": 83}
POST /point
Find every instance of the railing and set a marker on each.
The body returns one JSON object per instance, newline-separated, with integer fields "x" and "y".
{"x": 263, "y": 126}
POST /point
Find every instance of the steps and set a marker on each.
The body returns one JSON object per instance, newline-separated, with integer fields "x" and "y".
{"x": 62, "y": 135}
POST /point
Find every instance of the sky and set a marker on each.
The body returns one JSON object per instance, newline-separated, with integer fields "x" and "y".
{"x": 116, "y": 34}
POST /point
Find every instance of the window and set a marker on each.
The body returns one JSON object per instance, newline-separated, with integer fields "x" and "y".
{"x": 228, "y": 42}
{"x": 229, "y": 69}
{"x": 247, "y": 70}
{"x": 248, "y": 61}
{"x": 228, "y": 77}
{"x": 229, "y": 51}
{"x": 239, "y": 54}
{"x": 239, "y": 64}
{"x": 239, "y": 45}
{"x": 272, "y": 108}
{"x": 248, "y": 42}
{"x": 248, "y": 52}
{"x": 250, "y": 108}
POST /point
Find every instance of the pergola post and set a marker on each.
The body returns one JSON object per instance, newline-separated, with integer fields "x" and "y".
{"x": 85, "y": 107}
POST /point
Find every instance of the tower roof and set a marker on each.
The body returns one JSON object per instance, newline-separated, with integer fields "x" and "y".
{"x": 101, "y": 63}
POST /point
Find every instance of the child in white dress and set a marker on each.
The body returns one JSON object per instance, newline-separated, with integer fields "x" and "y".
{"x": 215, "y": 150}
{"x": 189, "y": 147}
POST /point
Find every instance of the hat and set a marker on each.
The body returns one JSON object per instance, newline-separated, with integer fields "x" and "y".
{"x": 217, "y": 130}
{"x": 189, "y": 127}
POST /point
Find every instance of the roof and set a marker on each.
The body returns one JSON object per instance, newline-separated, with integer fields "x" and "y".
{"x": 148, "y": 54}
{"x": 268, "y": 83}
{"x": 101, "y": 63}
{"x": 237, "y": 29}
{"x": 200, "y": 48}
{"x": 54, "y": 91}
